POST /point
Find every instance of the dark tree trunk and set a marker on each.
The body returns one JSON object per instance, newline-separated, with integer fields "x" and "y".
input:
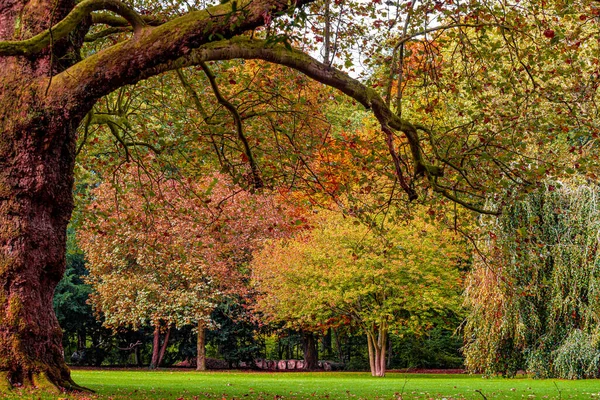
{"x": 338, "y": 345}
{"x": 311, "y": 354}
{"x": 201, "y": 351}
{"x": 81, "y": 339}
{"x": 155, "y": 348}
{"x": 327, "y": 347}
{"x": 163, "y": 348}
{"x": 137, "y": 356}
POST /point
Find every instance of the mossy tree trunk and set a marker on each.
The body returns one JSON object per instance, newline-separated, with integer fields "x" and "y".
{"x": 36, "y": 178}
{"x": 37, "y": 152}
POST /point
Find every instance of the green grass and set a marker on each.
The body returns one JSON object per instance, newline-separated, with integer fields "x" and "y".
{"x": 116, "y": 385}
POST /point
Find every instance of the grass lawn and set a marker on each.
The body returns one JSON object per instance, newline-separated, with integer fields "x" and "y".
{"x": 118, "y": 384}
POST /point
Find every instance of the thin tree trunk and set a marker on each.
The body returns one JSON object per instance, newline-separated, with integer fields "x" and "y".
{"x": 327, "y": 35}
{"x": 327, "y": 347}
{"x": 338, "y": 345}
{"x": 377, "y": 344}
{"x": 155, "y": 348}
{"x": 81, "y": 339}
{"x": 382, "y": 346}
{"x": 389, "y": 354}
{"x": 138, "y": 360}
{"x": 371, "y": 348}
{"x": 201, "y": 343}
{"x": 163, "y": 348}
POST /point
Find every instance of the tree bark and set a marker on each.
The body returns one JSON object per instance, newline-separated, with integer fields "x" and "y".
{"x": 311, "y": 354}
{"x": 201, "y": 343}
{"x": 377, "y": 344}
{"x": 163, "y": 348}
{"x": 155, "y": 348}
{"x": 36, "y": 178}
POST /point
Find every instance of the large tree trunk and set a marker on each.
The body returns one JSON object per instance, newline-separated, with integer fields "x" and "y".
{"x": 311, "y": 354}
{"x": 36, "y": 178}
{"x": 37, "y": 154}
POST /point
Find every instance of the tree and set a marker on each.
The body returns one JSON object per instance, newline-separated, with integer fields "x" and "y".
{"x": 403, "y": 278}
{"x": 47, "y": 90}
{"x": 164, "y": 253}
{"x": 533, "y": 295}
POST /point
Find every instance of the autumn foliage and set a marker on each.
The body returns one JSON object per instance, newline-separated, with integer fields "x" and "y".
{"x": 163, "y": 252}
{"x": 404, "y": 278}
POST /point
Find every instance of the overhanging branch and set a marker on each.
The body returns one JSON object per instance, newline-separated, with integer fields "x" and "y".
{"x": 245, "y": 48}
{"x": 68, "y": 24}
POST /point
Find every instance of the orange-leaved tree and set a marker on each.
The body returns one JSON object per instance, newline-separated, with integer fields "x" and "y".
{"x": 163, "y": 252}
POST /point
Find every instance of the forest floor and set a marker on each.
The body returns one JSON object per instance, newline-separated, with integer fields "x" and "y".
{"x": 188, "y": 385}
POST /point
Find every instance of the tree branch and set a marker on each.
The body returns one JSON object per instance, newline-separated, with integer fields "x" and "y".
{"x": 92, "y": 37}
{"x": 119, "y": 22}
{"x": 405, "y": 38}
{"x": 245, "y": 48}
{"x": 68, "y": 24}
{"x": 124, "y": 62}
{"x": 256, "y": 179}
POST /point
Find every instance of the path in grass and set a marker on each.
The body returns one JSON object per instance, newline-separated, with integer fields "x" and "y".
{"x": 117, "y": 385}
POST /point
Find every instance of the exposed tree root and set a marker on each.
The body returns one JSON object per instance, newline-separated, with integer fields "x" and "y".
{"x": 41, "y": 381}
{"x": 5, "y": 385}
{"x": 71, "y": 386}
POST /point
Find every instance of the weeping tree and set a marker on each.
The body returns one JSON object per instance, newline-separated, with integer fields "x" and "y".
{"x": 534, "y": 294}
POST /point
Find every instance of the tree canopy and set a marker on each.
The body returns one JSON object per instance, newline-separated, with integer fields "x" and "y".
{"x": 340, "y": 272}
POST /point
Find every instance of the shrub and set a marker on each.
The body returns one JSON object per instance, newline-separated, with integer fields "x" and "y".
{"x": 577, "y": 357}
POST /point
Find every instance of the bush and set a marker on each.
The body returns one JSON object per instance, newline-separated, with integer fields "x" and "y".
{"x": 539, "y": 363}
{"x": 440, "y": 348}
{"x": 577, "y": 357}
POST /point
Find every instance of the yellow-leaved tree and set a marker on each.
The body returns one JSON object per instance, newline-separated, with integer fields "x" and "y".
{"x": 406, "y": 276}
